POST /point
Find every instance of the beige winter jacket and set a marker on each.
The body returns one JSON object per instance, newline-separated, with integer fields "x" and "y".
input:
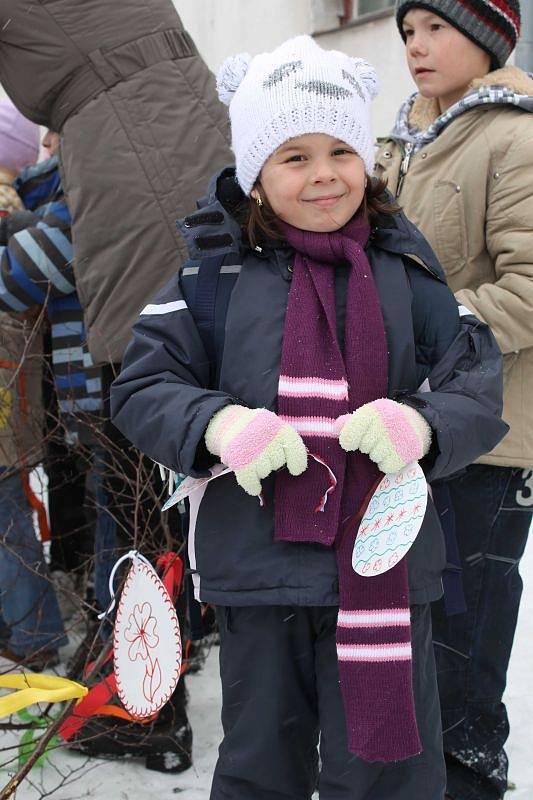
{"x": 470, "y": 191}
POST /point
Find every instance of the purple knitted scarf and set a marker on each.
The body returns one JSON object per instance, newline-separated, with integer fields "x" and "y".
{"x": 317, "y": 384}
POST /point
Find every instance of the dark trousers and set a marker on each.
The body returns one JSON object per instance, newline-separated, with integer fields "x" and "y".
{"x": 493, "y": 508}
{"x": 280, "y": 694}
{"x": 71, "y": 526}
{"x": 70, "y": 508}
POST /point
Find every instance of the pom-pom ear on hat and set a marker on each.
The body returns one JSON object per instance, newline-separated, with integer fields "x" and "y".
{"x": 366, "y": 74}
{"x": 230, "y": 76}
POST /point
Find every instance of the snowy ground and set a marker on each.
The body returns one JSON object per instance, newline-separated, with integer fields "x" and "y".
{"x": 105, "y": 780}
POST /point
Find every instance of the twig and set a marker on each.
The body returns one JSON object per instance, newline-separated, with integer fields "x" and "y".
{"x": 11, "y": 787}
{"x": 50, "y": 732}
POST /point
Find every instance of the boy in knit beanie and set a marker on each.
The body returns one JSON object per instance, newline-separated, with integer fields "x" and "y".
{"x": 493, "y": 25}
{"x": 460, "y": 161}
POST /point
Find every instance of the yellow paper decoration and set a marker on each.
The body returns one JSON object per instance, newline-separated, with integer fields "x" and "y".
{"x": 36, "y": 688}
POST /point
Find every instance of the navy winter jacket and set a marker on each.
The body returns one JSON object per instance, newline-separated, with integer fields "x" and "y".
{"x": 163, "y": 400}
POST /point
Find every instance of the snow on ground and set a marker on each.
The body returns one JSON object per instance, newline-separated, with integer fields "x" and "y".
{"x": 126, "y": 780}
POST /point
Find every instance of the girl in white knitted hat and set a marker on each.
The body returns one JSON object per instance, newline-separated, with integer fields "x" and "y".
{"x": 291, "y": 348}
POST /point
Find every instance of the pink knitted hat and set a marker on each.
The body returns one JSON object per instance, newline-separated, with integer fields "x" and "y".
{"x": 19, "y": 138}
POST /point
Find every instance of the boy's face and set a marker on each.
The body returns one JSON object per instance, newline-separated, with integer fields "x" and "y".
{"x": 441, "y": 59}
{"x": 314, "y": 182}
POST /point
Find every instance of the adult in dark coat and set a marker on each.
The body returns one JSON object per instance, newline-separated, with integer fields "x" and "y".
{"x": 142, "y": 130}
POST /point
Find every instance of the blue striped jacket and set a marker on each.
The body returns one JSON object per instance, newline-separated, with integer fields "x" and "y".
{"x": 36, "y": 269}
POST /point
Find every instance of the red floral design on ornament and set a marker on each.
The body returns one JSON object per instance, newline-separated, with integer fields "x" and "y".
{"x": 141, "y": 633}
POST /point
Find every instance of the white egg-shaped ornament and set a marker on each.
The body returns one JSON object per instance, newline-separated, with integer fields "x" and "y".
{"x": 147, "y": 643}
{"x": 391, "y": 522}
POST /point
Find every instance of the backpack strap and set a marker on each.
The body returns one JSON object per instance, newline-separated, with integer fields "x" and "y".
{"x": 207, "y": 297}
{"x": 203, "y": 309}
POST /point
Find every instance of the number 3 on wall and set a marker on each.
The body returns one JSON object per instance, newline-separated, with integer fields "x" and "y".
{"x": 524, "y": 497}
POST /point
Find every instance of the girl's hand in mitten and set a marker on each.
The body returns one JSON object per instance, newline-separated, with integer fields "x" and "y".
{"x": 391, "y": 433}
{"x": 254, "y": 442}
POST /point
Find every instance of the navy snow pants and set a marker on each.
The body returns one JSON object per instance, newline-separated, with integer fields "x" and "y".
{"x": 282, "y": 708}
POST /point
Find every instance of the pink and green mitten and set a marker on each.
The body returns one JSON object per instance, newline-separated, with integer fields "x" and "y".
{"x": 392, "y": 434}
{"x": 254, "y": 442}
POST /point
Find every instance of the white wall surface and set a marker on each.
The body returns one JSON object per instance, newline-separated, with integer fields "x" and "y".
{"x": 381, "y": 44}
{"x": 224, "y": 27}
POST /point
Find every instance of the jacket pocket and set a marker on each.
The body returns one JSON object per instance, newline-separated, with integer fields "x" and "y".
{"x": 450, "y": 227}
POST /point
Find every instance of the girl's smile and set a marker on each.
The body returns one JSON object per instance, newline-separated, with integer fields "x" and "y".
{"x": 328, "y": 201}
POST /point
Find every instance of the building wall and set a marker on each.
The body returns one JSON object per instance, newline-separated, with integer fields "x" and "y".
{"x": 524, "y": 51}
{"x": 224, "y": 27}
{"x": 379, "y": 43}
{"x": 221, "y": 28}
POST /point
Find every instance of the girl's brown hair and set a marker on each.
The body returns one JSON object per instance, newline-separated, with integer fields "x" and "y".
{"x": 259, "y": 221}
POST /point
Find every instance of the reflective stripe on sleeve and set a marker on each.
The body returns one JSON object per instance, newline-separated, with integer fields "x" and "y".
{"x": 164, "y": 308}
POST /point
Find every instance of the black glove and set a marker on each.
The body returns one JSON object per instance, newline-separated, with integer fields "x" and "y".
{"x": 15, "y": 222}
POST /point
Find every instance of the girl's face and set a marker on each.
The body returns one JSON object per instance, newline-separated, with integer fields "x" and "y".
{"x": 314, "y": 182}
{"x": 441, "y": 60}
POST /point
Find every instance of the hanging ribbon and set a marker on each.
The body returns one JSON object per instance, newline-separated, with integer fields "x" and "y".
{"x": 171, "y": 566}
{"x": 332, "y": 483}
{"x": 34, "y": 688}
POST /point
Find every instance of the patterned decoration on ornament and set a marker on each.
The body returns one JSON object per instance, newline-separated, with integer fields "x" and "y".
{"x": 147, "y": 643}
{"x": 391, "y": 521}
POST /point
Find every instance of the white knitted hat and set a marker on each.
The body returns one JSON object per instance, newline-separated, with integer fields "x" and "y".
{"x": 298, "y": 88}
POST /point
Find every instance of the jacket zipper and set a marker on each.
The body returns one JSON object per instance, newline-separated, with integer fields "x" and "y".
{"x": 404, "y": 166}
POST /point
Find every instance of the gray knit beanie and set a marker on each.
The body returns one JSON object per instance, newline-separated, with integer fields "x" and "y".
{"x": 494, "y": 25}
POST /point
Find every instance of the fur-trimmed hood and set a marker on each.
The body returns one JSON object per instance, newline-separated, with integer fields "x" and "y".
{"x": 420, "y": 122}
